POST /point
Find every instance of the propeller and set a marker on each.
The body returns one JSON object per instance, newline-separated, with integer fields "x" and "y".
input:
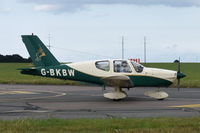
{"x": 103, "y": 88}
{"x": 179, "y": 74}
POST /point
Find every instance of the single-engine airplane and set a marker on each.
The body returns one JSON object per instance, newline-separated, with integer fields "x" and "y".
{"x": 117, "y": 73}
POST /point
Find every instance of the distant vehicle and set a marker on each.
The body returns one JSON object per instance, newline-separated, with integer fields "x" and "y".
{"x": 117, "y": 73}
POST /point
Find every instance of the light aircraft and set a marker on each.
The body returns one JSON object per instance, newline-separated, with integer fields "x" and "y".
{"x": 117, "y": 73}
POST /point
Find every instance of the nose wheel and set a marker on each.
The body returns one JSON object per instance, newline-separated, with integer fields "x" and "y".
{"x": 117, "y": 94}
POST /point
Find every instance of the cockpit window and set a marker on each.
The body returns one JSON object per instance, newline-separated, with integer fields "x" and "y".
{"x": 121, "y": 66}
{"x": 138, "y": 67}
{"x": 103, "y": 65}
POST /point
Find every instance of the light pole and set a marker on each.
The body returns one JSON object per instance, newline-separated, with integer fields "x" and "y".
{"x": 145, "y": 43}
{"x": 122, "y": 47}
{"x": 49, "y": 38}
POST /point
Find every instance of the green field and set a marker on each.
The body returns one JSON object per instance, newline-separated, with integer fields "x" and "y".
{"x": 147, "y": 125}
{"x": 10, "y": 75}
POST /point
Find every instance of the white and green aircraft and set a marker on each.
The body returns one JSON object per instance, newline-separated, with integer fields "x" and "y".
{"x": 117, "y": 73}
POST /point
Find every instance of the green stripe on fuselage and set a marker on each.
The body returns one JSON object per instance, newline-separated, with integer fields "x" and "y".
{"x": 147, "y": 81}
{"x": 68, "y": 73}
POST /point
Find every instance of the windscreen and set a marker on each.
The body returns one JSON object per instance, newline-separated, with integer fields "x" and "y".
{"x": 138, "y": 67}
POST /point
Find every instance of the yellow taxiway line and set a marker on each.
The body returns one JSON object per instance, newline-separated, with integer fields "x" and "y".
{"x": 16, "y": 92}
{"x": 186, "y": 106}
{"x": 57, "y": 94}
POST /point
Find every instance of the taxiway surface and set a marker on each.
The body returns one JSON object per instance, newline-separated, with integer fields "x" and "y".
{"x": 53, "y": 101}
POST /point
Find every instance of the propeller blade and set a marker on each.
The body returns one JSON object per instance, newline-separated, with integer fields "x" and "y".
{"x": 179, "y": 65}
{"x": 178, "y": 84}
{"x": 180, "y": 75}
{"x": 103, "y": 88}
{"x": 178, "y": 72}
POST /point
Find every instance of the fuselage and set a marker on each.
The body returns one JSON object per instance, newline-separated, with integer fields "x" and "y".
{"x": 94, "y": 71}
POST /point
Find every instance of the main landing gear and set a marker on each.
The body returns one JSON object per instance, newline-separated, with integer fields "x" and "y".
{"x": 117, "y": 94}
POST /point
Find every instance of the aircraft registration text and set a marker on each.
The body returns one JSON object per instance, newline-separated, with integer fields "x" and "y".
{"x": 58, "y": 72}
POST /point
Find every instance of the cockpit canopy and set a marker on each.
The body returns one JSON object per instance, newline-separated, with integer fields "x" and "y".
{"x": 119, "y": 66}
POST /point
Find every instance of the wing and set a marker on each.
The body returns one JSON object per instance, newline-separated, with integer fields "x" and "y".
{"x": 118, "y": 81}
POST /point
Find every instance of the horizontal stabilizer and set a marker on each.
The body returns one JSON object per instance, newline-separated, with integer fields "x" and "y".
{"x": 29, "y": 71}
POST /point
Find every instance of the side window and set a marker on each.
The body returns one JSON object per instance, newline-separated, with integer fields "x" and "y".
{"x": 138, "y": 67}
{"x": 121, "y": 66}
{"x": 103, "y": 65}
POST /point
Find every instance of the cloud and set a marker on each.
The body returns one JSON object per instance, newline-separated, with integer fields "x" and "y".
{"x": 172, "y": 47}
{"x": 5, "y": 10}
{"x": 74, "y": 5}
{"x": 4, "y": 7}
{"x": 46, "y": 7}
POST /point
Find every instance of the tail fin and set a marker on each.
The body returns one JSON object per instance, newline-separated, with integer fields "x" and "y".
{"x": 39, "y": 53}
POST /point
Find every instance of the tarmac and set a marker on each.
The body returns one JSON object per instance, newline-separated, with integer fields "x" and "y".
{"x": 74, "y": 102}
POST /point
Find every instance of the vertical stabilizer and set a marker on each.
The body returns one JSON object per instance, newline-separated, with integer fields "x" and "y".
{"x": 39, "y": 53}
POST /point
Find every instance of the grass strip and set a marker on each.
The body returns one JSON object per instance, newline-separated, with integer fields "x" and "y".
{"x": 137, "y": 125}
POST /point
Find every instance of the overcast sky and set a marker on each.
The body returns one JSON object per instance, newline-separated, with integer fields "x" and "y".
{"x": 92, "y": 29}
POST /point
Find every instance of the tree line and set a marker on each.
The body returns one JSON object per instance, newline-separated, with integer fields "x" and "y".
{"x": 14, "y": 58}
